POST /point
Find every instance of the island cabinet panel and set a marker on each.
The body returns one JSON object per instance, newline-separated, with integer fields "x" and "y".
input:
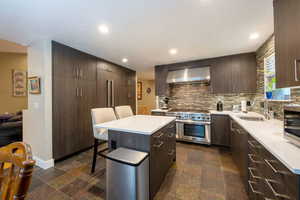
{"x": 220, "y": 130}
{"x": 78, "y": 86}
{"x": 161, "y": 147}
{"x": 287, "y": 42}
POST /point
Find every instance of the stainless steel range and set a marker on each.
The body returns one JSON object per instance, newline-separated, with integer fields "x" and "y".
{"x": 192, "y": 125}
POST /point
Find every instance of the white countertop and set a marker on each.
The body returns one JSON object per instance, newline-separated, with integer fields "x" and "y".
{"x": 270, "y": 134}
{"x": 140, "y": 124}
{"x": 160, "y": 110}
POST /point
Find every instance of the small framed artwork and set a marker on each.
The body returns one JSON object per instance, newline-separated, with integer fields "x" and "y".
{"x": 139, "y": 90}
{"x": 34, "y": 85}
{"x": 19, "y": 79}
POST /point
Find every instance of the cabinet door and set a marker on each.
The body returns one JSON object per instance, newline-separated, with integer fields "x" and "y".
{"x": 220, "y": 130}
{"x": 161, "y": 86}
{"x": 244, "y": 73}
{"x": 221, "y": 75}
{"x": 62, "y": 61}
{"x": 65, "y": 117}
{"x": 287, "y": 42}
{"x": 87, "y": 101}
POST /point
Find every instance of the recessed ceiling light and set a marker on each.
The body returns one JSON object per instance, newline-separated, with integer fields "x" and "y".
{"x": 103, "y": 29}
{"x": 124, "y": 60}
{"x": 173, "y": 51}
{"x": 254, "y": 36}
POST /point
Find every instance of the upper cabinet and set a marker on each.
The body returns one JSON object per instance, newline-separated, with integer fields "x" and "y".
{"x": 229, "y": 74}
{"x": 161, "y": 86}
{"x": 234, "y": 74}
{"x": 287, "y": 42}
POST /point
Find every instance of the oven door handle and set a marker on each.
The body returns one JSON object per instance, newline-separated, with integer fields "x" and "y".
{"x": 192, "y": 122}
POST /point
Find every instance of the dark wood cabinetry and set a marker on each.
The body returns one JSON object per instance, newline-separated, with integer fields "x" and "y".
{"x": 287, "y": 42}
{"x": 220, "y": 130}
{"x": 264, "y": 176}
{"x": 234, "y": 74}
{"x": 239, "y": 138}
{"x": 268, "y": 177}
{"x": 161, "y": 86}
{"x": 161, "y": 147}
{"x": 229, "y": 74}
{"x": 78, "y": 86}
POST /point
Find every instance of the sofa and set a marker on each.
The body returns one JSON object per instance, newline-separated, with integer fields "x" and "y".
{"x": 10, "y": 128}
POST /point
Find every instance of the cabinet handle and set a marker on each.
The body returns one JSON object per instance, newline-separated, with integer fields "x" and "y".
{"x": 158, "y": 145}
{"x": 296, "y": 69}
{"x": 159, "y": 136}
{"x": 252, "y": 189}
{"x": 252, "y": 145}
{"x": 77, "y": 93}
{"x": 171, "y": 153}
{"x": 251, "y": 169}
{"x": 276, "y": 194}
{"x": 81, "y": 92}
{"x": 81, "y": 73}
{"x": 269, "y": 163}
{"x": 252, "y": 160}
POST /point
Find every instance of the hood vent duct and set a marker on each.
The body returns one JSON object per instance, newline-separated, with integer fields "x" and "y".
{"x": 200, "y": 74}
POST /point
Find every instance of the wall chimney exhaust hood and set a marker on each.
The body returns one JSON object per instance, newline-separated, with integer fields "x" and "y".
{"x": 200, "y": 74}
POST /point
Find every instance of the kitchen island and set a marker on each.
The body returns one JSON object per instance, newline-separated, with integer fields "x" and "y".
{"x": 155, "y": 135}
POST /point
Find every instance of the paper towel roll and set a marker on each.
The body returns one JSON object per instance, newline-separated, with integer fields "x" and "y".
{"x": 244, "y": 106}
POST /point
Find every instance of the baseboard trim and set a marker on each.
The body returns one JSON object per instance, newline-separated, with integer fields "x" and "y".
{"x": 44, "y": 164}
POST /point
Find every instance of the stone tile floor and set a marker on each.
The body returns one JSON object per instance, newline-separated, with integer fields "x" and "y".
{"x": 200, "y": 173}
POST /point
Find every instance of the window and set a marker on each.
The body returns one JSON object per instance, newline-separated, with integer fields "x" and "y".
{"x": 271, "y": 92}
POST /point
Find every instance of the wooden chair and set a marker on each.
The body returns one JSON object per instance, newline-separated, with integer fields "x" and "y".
{"x": 100, "y": 115}
{"x": 123, "y": 111}
{"x": 16, "y": 167}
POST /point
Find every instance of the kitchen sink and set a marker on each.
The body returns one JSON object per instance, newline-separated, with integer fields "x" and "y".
{"x": 252, "y": 118}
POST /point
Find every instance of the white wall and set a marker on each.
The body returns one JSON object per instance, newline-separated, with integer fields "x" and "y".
{"x": 37, "y": 129}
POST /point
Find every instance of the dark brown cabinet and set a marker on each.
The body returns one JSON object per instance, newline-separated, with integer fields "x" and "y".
{"x": 287, "y": 42}
{"x": 220, "y": 130}
{"x": 234, "y": 74}
{"x": 161, "y": 86}
{"x": 161, "y": 147}
{"x": 268, "y": 177}
{"x": 239, "y": 150}
{"x": 80, "y": 84}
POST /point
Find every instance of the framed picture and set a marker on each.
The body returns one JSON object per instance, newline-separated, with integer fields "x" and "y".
{"x": 139, "y": 90}
{"x": 34, "y": 85}
{"x": 19, "y": 79}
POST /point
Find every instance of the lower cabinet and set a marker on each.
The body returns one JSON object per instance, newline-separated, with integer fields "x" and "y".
{"x": 263, "y": 175}
{"x": 220, "y": 130}
{"x": 162, "y": 156}
{"x": 239, "y": 150}
{"x": 268, "y": 177}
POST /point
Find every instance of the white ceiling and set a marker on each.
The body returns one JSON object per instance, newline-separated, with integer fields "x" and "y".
{"x": 141, "y": 30}
{"x": 11, "y": 47}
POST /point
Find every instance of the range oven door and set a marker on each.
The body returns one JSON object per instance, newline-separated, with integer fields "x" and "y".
{"x": 198, "y": 132}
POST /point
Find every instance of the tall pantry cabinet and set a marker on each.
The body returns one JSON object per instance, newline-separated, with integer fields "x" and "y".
{"x": 80, "y": 83}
